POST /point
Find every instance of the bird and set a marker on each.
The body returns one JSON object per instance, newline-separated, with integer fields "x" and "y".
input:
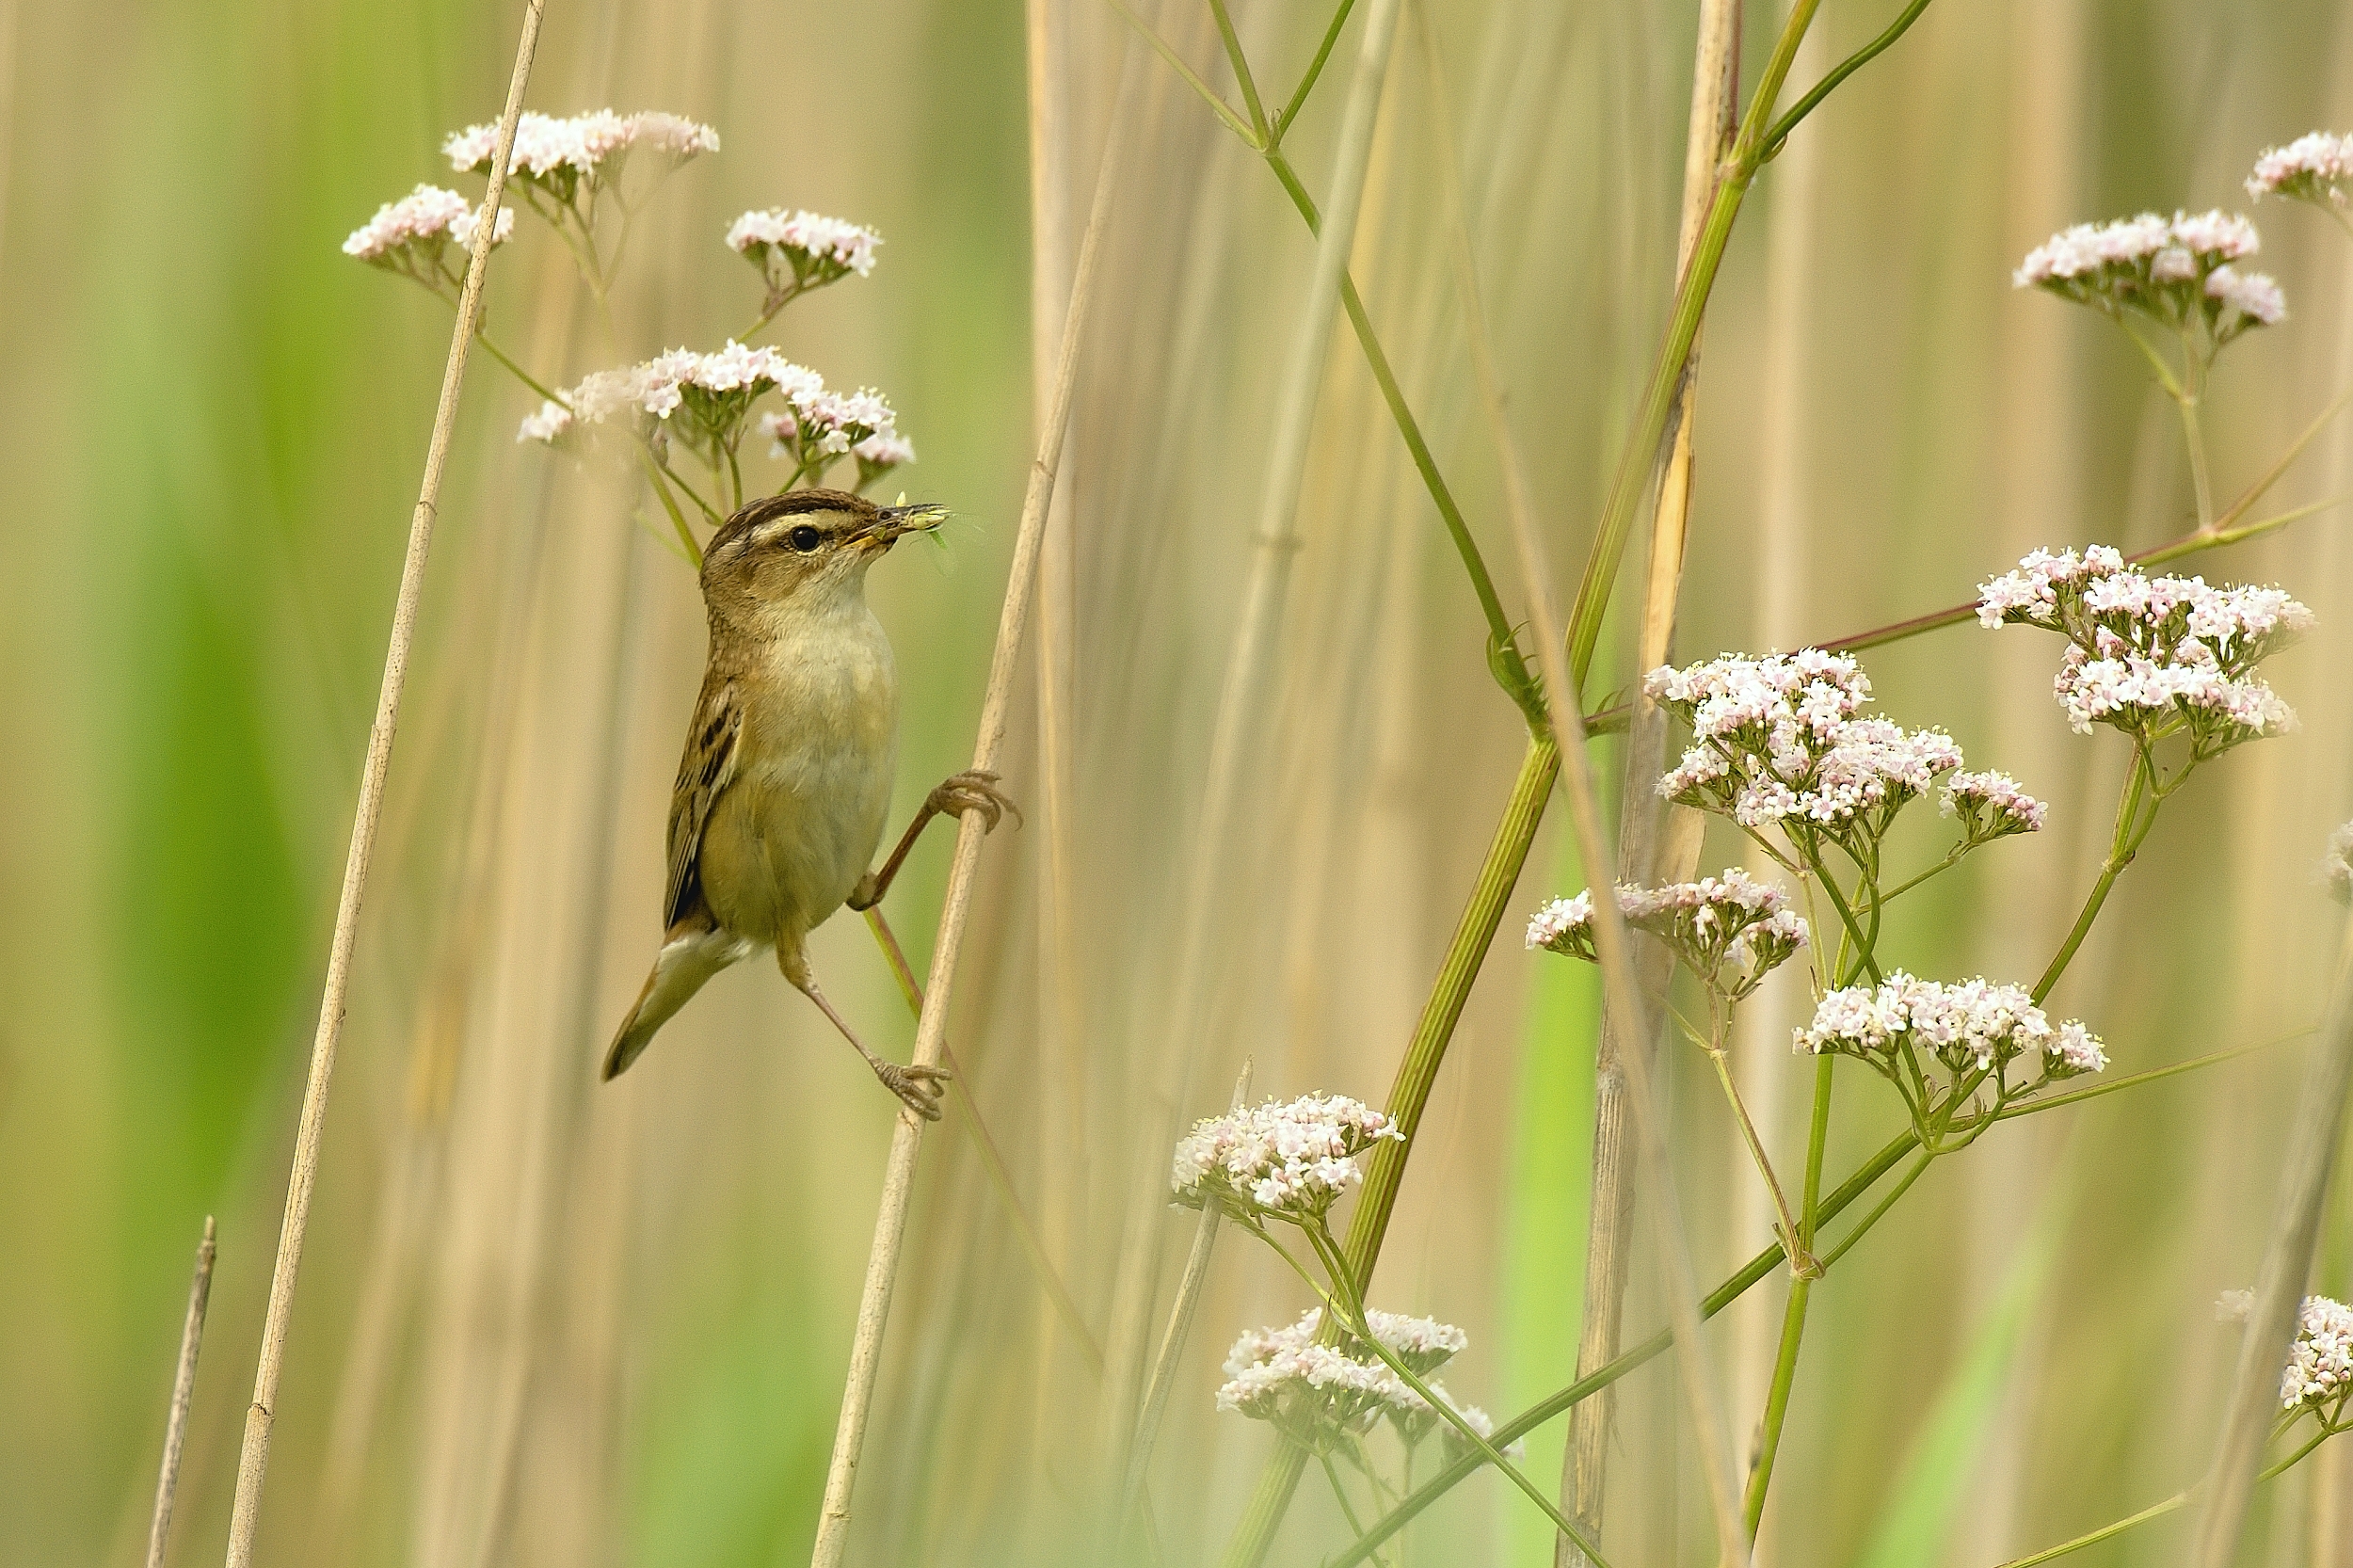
{"x": 784, "y": 788}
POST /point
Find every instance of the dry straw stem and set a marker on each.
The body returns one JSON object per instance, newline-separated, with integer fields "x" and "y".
{"x": 1609, "y": 1247}
{"x": 882, "y": 1265}
{"x": 183, "y": 1390}
{"x": 1705, "y": 1405}
{"x": 1266, "y": 589}
{"x": 1163, "y": 1379}
{"x": 2287, "y": 1264}
{"x": 253, "y": 1459}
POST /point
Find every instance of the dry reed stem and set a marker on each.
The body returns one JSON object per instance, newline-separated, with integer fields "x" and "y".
{"x": 1608, "y": 1262}
{"x": 833, "y": 1522}
{"x": 1180, "y": 1314}
{"x": 1704, "y": 1403}
{"x": 1258, "y": 627}
{"x": 253, "y": 1458}
{"x": 183, "y": 1390}
{"x": 2287, "y": 1264}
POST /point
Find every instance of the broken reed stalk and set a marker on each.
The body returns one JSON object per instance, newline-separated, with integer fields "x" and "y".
{"x": 1609, "y": 1236}
{"x": 882, "y": 1265}
{"x": 2287, "y": 1264}
{"x": 183, "y": 1390}
{"x": 1704, "y": 1402}
{"x": 253, "y": 1458}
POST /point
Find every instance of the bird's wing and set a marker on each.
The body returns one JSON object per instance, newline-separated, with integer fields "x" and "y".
{"x": 703, "y": 775}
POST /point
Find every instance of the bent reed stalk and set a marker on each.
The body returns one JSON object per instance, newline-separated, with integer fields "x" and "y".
{"x": 833, "y": 1523}
{"x": 253, "y": 1457}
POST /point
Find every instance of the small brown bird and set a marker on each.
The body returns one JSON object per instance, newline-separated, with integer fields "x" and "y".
{"x": 782, "y": 793}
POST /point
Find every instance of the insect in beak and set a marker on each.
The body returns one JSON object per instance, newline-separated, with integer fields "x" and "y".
{"x": 894, "y": 522}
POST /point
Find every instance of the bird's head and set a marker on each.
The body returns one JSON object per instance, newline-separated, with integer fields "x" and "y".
{"x": 804, "y": 546}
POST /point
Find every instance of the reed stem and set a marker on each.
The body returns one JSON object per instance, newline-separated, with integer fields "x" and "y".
{"x": 254, "y": 1456}
{"x": 183, "y": 1391}
{"x": 882, "y": 1267}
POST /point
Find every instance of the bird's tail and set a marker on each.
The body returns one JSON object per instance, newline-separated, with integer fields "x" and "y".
{"x": 686, "y": 963}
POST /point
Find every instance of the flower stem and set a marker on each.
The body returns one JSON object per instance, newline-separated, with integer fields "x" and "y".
{"x": 1756, "y": 1147}
{"x": 2122, "y": 845}
{"x": 1879, "y": 1209}
{"x": 1805, "y": 1270}
{"x": 2187, "y": 399}
{"x": 669, "y": 504}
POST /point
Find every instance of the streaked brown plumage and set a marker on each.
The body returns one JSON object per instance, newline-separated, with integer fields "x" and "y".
{"x": 785, "y": 780}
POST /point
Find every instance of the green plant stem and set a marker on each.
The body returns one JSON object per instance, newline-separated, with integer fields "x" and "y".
{"x": 1902, "y": 1186}
{"x": 1845, "y": 68}
{"x": 1242, "y": 68}
{"x": 2187, "y": 399}
{"x": 1345, "y": 1301}
{"x": 1512, "y": 670}
{"x": 2122, "y": 844}
{"x": 2158, "y": 1511}
{"x": 1757, "y": 1268}
{"x": 1805, "y": 1270}
{"x": 1191, "y": 78}
{"x": 1315, "y": 69}
{"x": 669, "y": 504}
{"x": 1757, "y": 1145}
{"x": 1640, "y": 453}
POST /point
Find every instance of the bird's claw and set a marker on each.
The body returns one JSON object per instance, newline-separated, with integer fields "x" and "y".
{"x": 917, "y": 1086}
{"x": 974, "y": 790}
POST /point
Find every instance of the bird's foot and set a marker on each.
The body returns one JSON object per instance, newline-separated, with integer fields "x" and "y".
{"x": 973, "y": 790}
{"x": 917, "y": 1086}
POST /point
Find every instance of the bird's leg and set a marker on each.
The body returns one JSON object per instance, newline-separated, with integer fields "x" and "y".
{"x": 974, "y": 790}
{"x": 917, "y": 1086}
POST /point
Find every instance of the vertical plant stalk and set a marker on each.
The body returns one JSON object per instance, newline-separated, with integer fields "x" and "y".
{"x": 253, "y": 1458}
{"x": 1704, "y": 1404}
{"x": 183, "y": 1390}
{"x": 1064, "y": 1061}
{"x": 931, "y": 1034}
{"x": 1255, "y": 634}
{"x": 1608, "y": 1244}
{"x": 2279, "y": 1288}
{"x": 1156, "y": 1389}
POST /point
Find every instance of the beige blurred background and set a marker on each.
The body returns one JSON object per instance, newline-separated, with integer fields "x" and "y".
{"x": 547, "y": 1322}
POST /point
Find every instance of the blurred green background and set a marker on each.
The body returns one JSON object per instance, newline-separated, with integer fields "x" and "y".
{"x": 544, "y": 1325}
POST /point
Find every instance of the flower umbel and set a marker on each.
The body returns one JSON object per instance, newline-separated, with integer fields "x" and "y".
{"x": 1777, "y": 741}
{"x": 2317, "y": 168}
{"x": 2319, "y": 1373}
{"x": 1992, "y": 806}
{"x": 2153, "y": 656}
{"x": 562, "y": 155}
{"x": 1905, "y": 1029}
{"x": 797, "y": 251}
{"x": 2177, "y": 271}
{"x": 1323, "y": 1394}
{"x": 413, "y": 235}
{"x": 1731, "y": 931}
{"x": 1286, "y": 1159}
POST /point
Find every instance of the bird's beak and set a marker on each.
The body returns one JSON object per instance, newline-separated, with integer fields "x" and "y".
{"x": 892, "y": 521}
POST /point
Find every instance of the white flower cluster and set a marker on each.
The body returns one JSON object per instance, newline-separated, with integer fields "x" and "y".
{"x": 2174, "y": 269}
{"x": 1775, "y": 741}
{"x": 714, "y": 390}
{"x": 1291, "y": 1160}
{"x": 1717, "y": 924}
{"x": 2319, "y": 1372}
{"x": 2315, "y": 168}
{"x": 822, "y": 426}
{"x": 2336, "y": 866}
{"x": 560, "y": 154}
{"x": 1972, "y": 1028}
{"x": 2152, "y": 655}
{"x": 1991, "y": 805}
{"x": 800, "y": 250}
{"x": 410, "y": 235}
{"x": 1321, "y": 1392}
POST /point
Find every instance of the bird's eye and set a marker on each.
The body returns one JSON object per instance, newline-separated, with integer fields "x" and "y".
{"x": 806, "y": 538}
